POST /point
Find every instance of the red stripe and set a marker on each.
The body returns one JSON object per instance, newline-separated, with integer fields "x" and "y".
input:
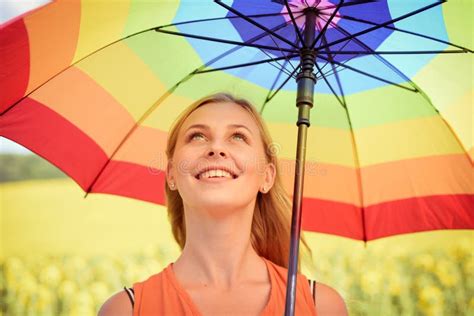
{"x": 419, "y": 214}
{"x": 332, "y": 217}
{"x": 132, "y": 180}
{"x": 14, "y": 63}
{"x": 411, "y": 215}
{"x": 52, "y": 137}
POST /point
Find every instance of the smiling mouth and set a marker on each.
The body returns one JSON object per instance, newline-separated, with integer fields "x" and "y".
{"x": 215, "y": 175}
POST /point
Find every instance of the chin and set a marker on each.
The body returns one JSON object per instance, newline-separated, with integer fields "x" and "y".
{"x": 220, "y": 203}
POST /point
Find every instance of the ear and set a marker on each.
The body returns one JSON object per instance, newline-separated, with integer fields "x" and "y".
{"x": 270, "y": 175}
{"x": 169, "y": 173}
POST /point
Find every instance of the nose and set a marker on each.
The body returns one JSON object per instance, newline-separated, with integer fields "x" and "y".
{"x": 215, "y": 150}
{"x": 212, "y": 152}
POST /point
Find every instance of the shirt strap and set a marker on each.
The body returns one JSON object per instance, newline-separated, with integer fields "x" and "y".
{"x": 312, "y": 287}
{"x": 130, "y": 294}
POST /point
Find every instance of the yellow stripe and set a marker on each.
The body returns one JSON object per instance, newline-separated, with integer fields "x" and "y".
{"x": 405, "y": 140}
{"x": 447, "y": 80}
{"x": 460, "y": 116}
{"x": 327, "y": 145}
{"x": 135, "y": 86}
{"x": 108, "y": 17}
{"x": 376, "y": 144}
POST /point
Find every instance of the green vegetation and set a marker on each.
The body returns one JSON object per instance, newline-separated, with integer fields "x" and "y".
{"x": 16, "y": 167}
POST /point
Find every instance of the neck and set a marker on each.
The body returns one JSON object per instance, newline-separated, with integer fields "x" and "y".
{"x": 218, "y": 251}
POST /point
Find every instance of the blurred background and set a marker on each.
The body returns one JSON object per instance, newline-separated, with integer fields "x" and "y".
{"x": 63, "y": 254}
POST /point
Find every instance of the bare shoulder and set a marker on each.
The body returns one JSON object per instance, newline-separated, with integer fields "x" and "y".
{"x": 329, "y": 302}
{"x": 117, "y": 305}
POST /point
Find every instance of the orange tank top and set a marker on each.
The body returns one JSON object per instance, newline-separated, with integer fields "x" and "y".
{"x": 161, "y": 294}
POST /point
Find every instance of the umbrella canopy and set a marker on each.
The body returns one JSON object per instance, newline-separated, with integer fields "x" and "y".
{"x": 93, "y": 87}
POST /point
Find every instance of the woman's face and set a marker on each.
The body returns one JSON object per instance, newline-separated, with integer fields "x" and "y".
{"x": 219, "y": 136}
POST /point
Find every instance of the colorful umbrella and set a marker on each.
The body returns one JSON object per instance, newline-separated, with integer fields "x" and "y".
{"x": 93, "y": 87}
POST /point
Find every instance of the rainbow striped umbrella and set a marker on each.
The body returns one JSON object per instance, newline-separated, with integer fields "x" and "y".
{"x": 86, "y": 85}
{"x": 93, "y": 87}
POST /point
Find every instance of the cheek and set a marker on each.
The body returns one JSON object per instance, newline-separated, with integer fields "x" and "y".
{"x": 183, "y": 163}
{"x": 251, "y": 164}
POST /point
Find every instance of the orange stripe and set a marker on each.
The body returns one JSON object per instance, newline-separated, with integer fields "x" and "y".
{"x": 146, "y": 147}
{"x": 436, "y": 175}
{"x": 53, "y": 32}
{"x": 88, "y": 106}
{"x": 323, "y": 181}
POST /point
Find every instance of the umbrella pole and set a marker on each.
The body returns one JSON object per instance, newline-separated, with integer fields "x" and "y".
{"x": 304, "y": 101}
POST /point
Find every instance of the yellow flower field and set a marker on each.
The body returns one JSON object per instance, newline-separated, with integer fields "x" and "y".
{"x": 62, "y": 254}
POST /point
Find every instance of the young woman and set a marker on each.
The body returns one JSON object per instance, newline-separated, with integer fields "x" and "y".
{"x": 231, "y": 217}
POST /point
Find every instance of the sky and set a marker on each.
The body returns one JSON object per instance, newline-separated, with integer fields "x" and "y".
{"x": 10, "y": 9}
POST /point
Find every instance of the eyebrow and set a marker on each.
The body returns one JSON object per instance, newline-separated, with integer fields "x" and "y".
{"x": 203, "y": 126}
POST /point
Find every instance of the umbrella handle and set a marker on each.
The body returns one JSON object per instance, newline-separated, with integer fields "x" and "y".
{"x": 304, "y": 101}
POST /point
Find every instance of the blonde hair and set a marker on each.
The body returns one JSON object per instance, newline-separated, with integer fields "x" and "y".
{"x": 270, "y": 231}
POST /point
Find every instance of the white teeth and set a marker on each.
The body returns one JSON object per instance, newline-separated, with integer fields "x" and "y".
{"x": 215, "y": 173}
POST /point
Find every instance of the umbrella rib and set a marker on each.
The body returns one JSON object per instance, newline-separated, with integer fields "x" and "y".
{"x": 350, "y": 18}
{"x": 282, "y": 67}
{"x": 384, "y": 61}
{"x": 245, "y": 64}
{"x": 253, "y": 39}
{"x": 135, "y": 126}
{"x": 269, "y": 94}
{"x": 298, "y": 33}
{"x": 370, "y": 75}
{"x": 321, "y": 32}
{"x": 343, "y": 46}
{"x": 224, "y": 41}
{"x": 260, "y": 26}
{"x": 341, "y": 102}
{"x": 274, "y": 83}
{"x": 348, "y": 4}
{"x": 405, "y": 16}
{"x": 289, "y": 61}
{"x": 329, "y": 72}
{"x": 354, "y": 148}
{"x": 73, "y": 64}
{"x": 221, "y": 18}
{"x": 419, "y": 52}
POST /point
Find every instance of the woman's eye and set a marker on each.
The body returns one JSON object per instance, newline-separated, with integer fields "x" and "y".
{"x": 241, "y": 136}
{"x": 196, "y": 136}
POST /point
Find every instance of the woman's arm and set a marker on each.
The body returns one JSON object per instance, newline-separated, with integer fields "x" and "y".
{"x": 329, "y": 302}
{"x": 117, "y": 305}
